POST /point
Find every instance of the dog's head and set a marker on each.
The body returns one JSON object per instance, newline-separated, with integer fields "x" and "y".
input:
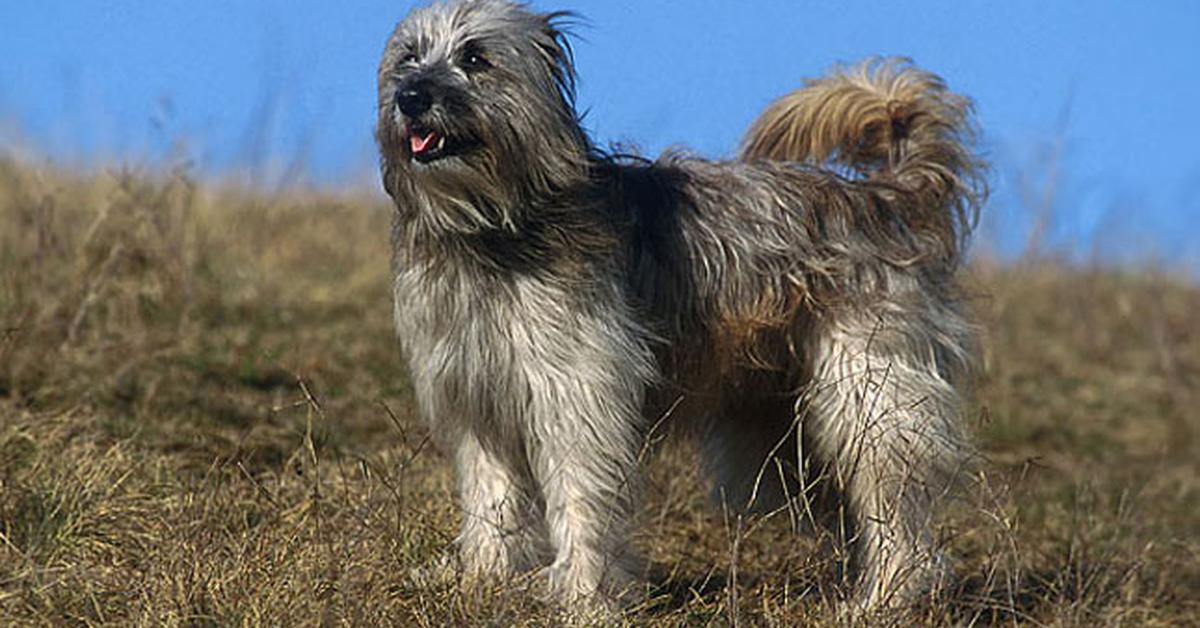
{"x": 476, "y": 104}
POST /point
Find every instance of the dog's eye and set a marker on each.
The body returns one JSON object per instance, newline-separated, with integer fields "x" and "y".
{"x": 473, "y": 60}
{"x": 409, "y": 57}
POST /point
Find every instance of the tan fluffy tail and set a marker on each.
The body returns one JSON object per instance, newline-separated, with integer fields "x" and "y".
{"x": 883, "y": 120}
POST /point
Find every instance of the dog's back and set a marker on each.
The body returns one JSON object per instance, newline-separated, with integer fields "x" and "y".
{"x": 870, "y": 165}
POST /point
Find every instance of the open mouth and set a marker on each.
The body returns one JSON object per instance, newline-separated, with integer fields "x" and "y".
{"x": 427, "y": 145}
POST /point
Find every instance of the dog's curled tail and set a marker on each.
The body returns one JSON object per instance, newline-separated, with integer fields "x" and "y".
{"x": 882, "y": 120}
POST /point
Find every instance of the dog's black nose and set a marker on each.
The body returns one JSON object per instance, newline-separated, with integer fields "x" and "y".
{"x": 413, "y": 101}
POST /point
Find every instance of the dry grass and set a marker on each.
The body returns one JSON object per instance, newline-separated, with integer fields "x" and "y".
{"x": 204, "y": 420}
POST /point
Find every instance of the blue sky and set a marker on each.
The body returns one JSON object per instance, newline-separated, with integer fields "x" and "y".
{"x": 1102, "y": 94}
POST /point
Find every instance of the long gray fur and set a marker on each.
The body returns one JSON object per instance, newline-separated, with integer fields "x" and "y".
{"x": 555, "y": 302}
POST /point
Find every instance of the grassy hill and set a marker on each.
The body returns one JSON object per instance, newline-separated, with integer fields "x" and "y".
{"x": 204, "y": 420}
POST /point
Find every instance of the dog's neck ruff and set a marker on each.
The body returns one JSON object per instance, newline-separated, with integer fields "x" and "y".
{"x": 567, "y": 229}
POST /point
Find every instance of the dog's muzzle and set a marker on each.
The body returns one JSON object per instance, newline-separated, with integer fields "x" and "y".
{"x": 426, "y": 134}
{"x": 424, "y": 143}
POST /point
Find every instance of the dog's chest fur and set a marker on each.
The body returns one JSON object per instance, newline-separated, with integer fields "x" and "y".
{"x": 467, "y": 341}
{"x": 483, "y": 343}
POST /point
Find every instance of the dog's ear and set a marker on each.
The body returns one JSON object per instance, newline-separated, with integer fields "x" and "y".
{"x": 385, "y": 170}
{"x": 383, "y": 127}
{"x": 555, "y": 47}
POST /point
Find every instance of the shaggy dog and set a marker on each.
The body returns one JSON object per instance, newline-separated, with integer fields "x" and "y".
{"x": 794, "y": 310}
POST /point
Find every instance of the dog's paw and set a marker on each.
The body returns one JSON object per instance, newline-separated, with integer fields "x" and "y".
{"x": 440, "y": 573}
{"x": 593, "y": 599}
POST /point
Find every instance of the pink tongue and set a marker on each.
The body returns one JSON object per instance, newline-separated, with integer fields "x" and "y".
{"x": 419, "y": 144}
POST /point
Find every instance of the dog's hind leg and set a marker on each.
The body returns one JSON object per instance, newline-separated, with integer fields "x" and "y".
{"x": 882, "y": 407}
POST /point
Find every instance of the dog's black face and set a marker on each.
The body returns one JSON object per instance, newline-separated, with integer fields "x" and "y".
{"x": 476, "y": 102}
{"x": 432, "y": 101}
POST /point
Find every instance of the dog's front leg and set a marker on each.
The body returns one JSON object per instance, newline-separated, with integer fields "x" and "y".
{"x": 585, "y": 413}
{"x": 502, "y": 531}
